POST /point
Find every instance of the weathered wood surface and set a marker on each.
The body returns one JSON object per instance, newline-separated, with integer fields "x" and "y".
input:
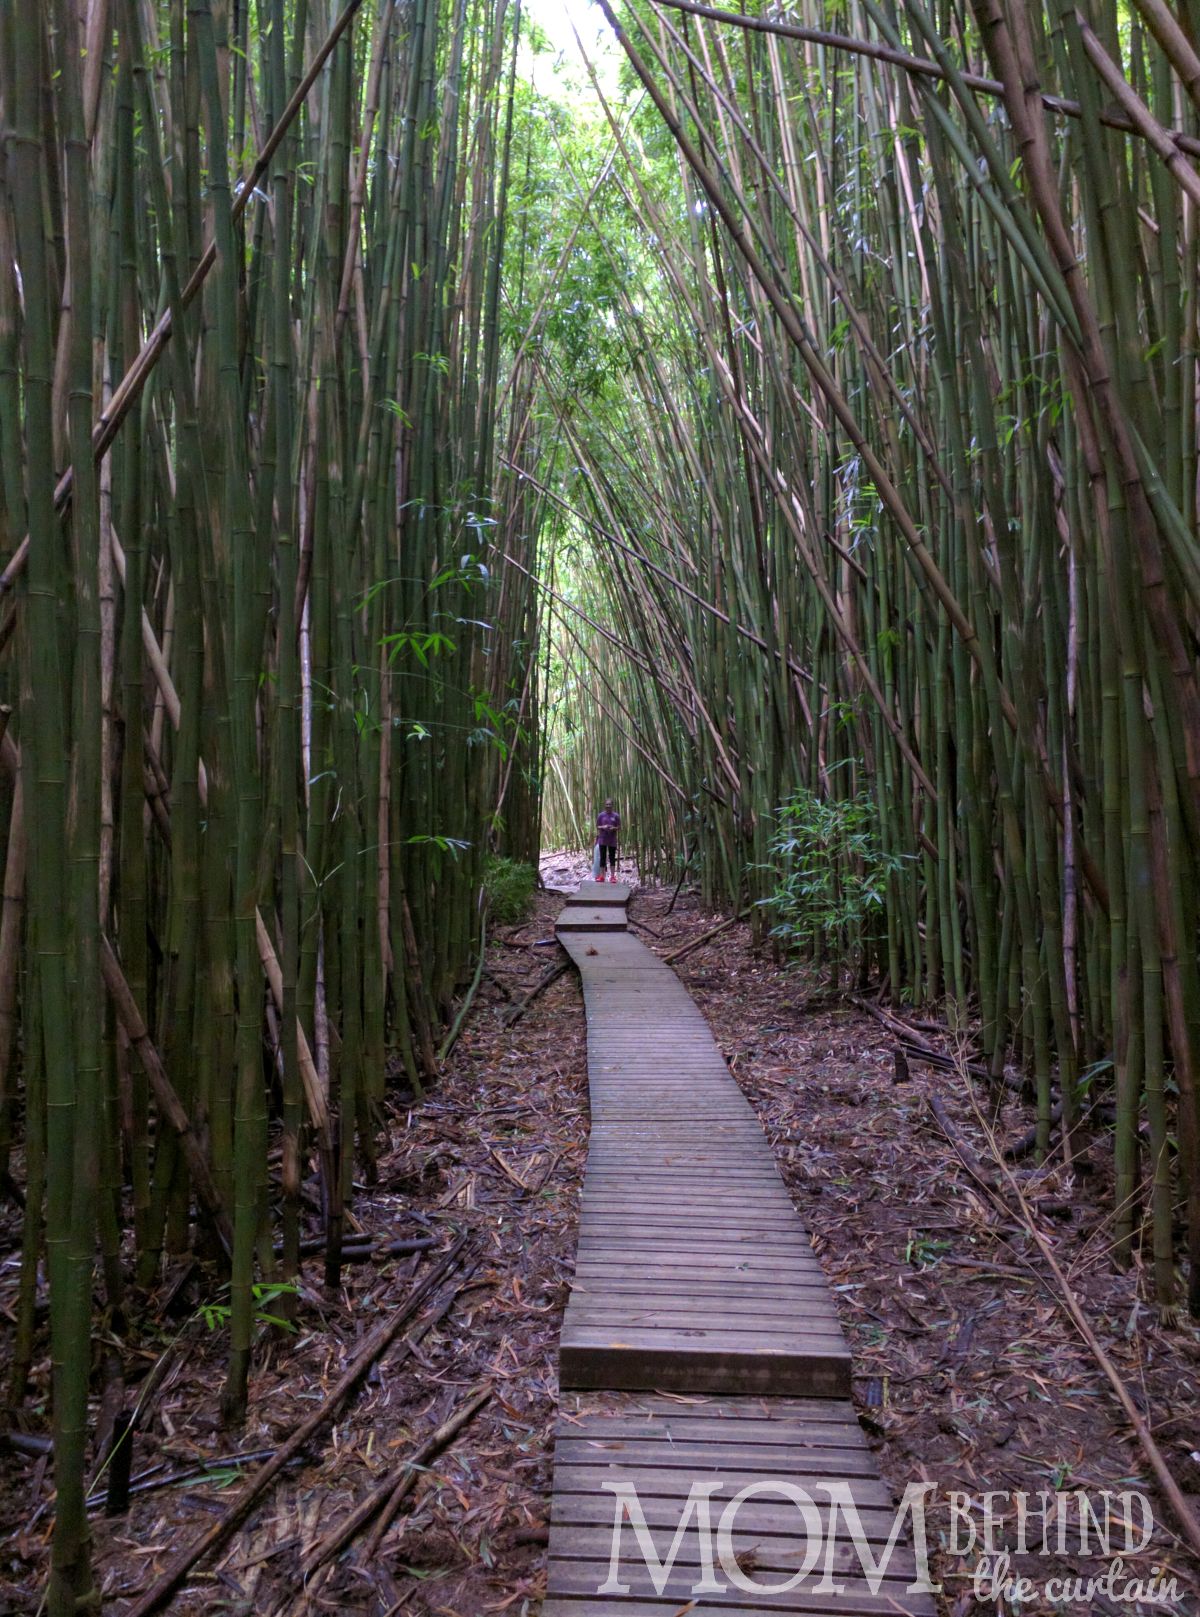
{"x": 663, "y": 1448}
{"x": 599, "y": 892}
{"x": 694, "y": 1271}
{"x": 694, "y": 1275}
{"x": 592, "y": 918}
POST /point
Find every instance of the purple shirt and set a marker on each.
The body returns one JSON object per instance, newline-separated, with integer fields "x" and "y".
{"x": 608, "y": 823}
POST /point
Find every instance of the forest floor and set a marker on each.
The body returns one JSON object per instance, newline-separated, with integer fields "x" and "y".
{"x": 967, "y": 1374}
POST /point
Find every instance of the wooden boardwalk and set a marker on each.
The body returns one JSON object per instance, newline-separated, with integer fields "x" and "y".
{"x": 700, "y": 1341}
{"x": 693, "y": 1271}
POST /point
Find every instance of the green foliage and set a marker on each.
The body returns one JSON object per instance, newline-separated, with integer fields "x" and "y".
{"x": 830, "y": 871}
{"x": 216, "y": 1315}
{"x": 509, "y": 886}
{"x": 924, "y": 1251}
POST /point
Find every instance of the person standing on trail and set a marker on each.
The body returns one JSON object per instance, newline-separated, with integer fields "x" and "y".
{"x": 608, "y": 823}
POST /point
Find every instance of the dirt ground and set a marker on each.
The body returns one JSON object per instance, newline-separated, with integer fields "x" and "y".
{"x": 968, "y": 1374}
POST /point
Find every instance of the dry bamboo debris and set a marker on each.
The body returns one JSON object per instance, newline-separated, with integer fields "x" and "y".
{"x": 1006, "y": 1192}
{"x": 381, "y": 1504}
{"x": 377, "y": 1343}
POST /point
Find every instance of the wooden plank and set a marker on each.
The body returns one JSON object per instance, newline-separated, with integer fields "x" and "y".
{"x": 617, "y": 892}
{"x": 575, "y": 1579}
{"x": 755, "y": 1224}
{"x": 786, "y": 1459}
{"x": 626, "y": 1327}
{"x": 664, "y": 1482}
{"x": 599, "y": 1199}
{"x": 786, "y": 1341}
{"x": 605, "y": 1198}
{"x": 697, "y": 1220}
{"x": 767, "y": 1313}
{"x": 774, "y": 1556}
{"x": 767, "y": 1430}
{"x": 663, "y": 1253}
{"x": 560, "y": 1604}
{"x": 611, "y": 1311}
{"x": 668, "y": 1172}
{"x": 801, "y": 1292}
{"x": 762, "y": 1515}
{"x": 665, "y": 1250}
{"x": 592, "y": 1407}
{"x": 629, "y": 1364}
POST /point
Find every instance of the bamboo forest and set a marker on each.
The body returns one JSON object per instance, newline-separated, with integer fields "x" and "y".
{"x": 600, "y": 807}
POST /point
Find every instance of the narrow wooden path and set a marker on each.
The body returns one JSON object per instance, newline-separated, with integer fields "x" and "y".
{"x": 700, "y": 1343}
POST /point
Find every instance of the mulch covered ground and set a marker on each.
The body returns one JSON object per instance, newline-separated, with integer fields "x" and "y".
{"x": 968, "y": 1374}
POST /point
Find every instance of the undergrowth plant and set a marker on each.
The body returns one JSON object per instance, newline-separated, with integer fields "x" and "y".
{"x": 830, "y": 875}
{"x": 509, "y": 886}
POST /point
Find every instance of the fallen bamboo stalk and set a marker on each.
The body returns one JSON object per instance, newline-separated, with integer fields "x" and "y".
{"x": 984, "y": 1179}
{"x": 376, "y": 1344}
{"x": 686, "y": 948}
{"x": 451, "y": 1038}
{"x": 552, "y": 976}
{"x": 432, "y": 1444}
{"x": 157, "y": 1477}
{"x": 356, "y": 1249}
{"x": 387, "y": 1495}
{"x": 1029, "y": 1140}
{"x": 919, "y": 1049}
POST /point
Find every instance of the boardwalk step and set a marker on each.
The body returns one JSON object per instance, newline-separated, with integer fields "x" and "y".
{"x": 599, "y": 892}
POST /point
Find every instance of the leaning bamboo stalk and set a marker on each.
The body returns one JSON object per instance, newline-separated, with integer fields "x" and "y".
{"x": 1137, "y": 112}
{"x": 1179, "y": 49}
{"x": 920, "y": 66}
{"x": 164, "y": 1093}
{"x": 314, "y": 1090}
{"x": 1181, "y": 1507}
